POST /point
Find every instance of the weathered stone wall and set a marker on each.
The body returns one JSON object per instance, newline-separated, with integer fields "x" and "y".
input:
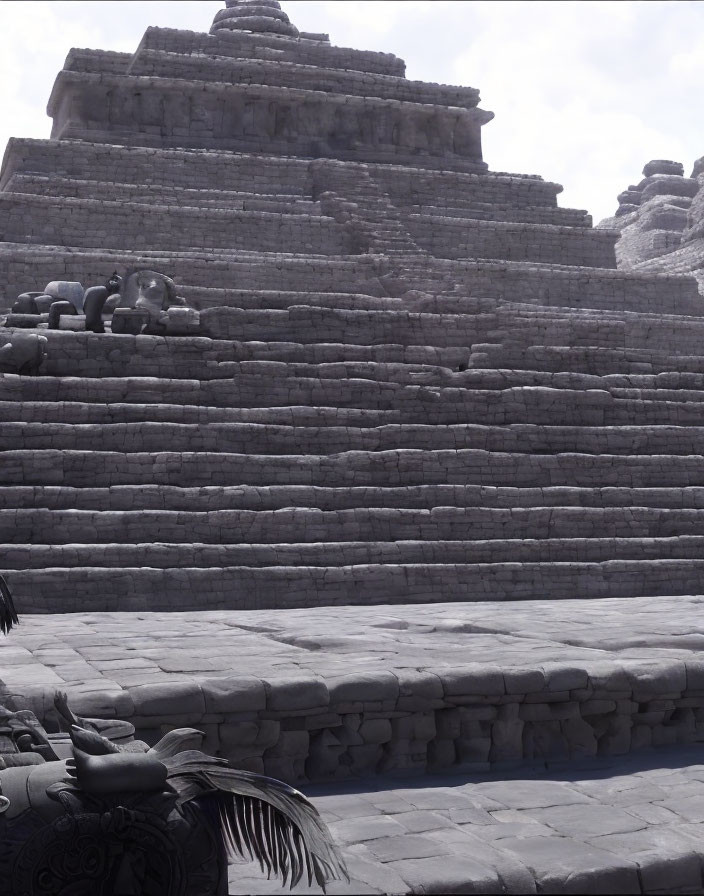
{"x": 470, "y": 718}
{"x": 273, "y": 48}
{"x": 141, "y": 226}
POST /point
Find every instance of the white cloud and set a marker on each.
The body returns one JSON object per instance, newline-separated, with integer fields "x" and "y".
{"x": 584, "y": 93}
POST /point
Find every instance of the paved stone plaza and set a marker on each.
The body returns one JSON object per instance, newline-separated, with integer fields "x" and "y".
{"x": 620, "y": 826}
{"x": 396, "y": 491}
{"x": 559, "y": 821}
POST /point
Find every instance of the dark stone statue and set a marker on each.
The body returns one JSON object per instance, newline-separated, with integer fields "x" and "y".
{"x": 26, "y": 303}
{"x": 23, "y": 354}
{"x": 55, "y": 312}
{"x": 93, "y": 304}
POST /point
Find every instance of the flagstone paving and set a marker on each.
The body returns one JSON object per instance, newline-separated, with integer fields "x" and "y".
{"x": 624, "y": 824}
{"x": 121, "y": 651}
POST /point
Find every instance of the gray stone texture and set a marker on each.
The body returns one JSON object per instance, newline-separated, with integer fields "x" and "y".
{"x": 661, "y": 222}
{"x": 413, "y": 484}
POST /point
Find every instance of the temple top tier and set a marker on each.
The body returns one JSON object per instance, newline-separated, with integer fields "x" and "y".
{"x": 256, "y": 83}
{"x": 259, "y": 17}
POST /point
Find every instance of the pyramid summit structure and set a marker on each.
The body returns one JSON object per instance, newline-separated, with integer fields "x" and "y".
{"x": 419, "y": 488}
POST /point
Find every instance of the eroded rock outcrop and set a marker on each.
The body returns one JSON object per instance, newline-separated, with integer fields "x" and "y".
{"x": 661, "y": 221}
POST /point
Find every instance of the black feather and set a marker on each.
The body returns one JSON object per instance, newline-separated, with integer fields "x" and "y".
{"x": 8, "y": 614}
{"x": 263, "y": 820}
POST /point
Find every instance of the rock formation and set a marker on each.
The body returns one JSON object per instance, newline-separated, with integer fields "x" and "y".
{"x": 661, "y": 221}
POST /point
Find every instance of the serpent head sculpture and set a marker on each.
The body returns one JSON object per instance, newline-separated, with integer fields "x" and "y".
{"x": 83, "y": 814}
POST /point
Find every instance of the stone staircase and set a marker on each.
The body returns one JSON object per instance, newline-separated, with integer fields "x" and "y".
{"x": 366, "y": 453}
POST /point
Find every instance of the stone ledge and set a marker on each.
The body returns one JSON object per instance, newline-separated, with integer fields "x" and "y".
{"x": 78, "y": 589}
{"x": 615, "y": 824}
{"x": 337, "y": 695}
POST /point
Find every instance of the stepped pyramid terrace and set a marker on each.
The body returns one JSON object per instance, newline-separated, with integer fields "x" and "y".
{"x": 371, "y": 464}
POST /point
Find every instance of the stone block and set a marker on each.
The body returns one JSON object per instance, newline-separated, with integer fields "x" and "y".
{"x": 577, "y": 869}
{"x": 263, "y": 733}
{"x": 473, "y": 679}
{"x": 229, "y": 694}
{"x": 181, "y": 698}
{"x": 375, "y": 731}
{"x": 286, "y": 694}
{"x": 361, "y": 687}
{"x": 69, "y": 291}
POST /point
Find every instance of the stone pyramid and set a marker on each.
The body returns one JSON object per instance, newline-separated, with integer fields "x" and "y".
{"x": 422, "y": 380}
{"x": 413, "y": 381}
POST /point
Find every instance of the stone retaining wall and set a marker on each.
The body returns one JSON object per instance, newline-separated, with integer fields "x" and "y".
{"x": 469, "y": 718}
{"x": 260, "y": 46}
{"x": 449, "y": 237}
{"x": 378, "y": 525}
{"x": 145, "y": 589}
{"x": 132, "y": 226}
{"x": 382, "y": 469}
{"x": 277, "y": 440}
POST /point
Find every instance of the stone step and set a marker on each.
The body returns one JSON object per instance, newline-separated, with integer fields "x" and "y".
{"x": 377, "y": 525}
{"x": 553, "y": 285}
{"x": 206, "y": 555}
{"x": 333, "y": 402}
{"x": 143, "y": 589}
{"x": 213, "y": 68}
{"x": 131, "y": 225}
{"x": 557, "y": 285}
{"x": 24, "y": 268}
{"x": 456, "y": 334}
{"x": 459, "y": 207}
{"x": 451, "y": 237}
{"x": 574, "y": 408}
{"x": 304, "y": 51}
{"x": 139, "y": 223}
{"x": 141, "y": 166}
{"x": 201, "y": 297}
{"x": 400, "y": 467}
{"x": 452, "y": 346}
{"x": 586, "y": 359}
{"x": 407, "y": 186}
{"x": 160, "y": 194}
{"x": 273, "y": 439}
{"x": 259, "y": 172}
{"x": 278, "y": 497}
{"x": 85, "y": 413}
{"x": 618, "y": 824}
{"x": 210, "y": 392}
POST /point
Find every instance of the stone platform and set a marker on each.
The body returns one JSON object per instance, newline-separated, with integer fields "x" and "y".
{"x": 342, "y": 692}
{"x": 618, "y": 825}
{"x": 534, "y": 723}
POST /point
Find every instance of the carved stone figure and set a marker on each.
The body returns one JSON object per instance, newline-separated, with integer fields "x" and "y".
{"x": 55, "y": 312}
{"x": 26, "y": 303}
{"x": 118, "y": 822}
{"x": 85, "y": 815}
{"x": 150, "y": 290}
{"x": 68, "y": 291}
{"x": 23, "y": 354}
{"x": 93, "y": 305}
{"x": 152, "y": 293}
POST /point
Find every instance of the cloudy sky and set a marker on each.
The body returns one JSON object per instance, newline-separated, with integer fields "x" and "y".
{"x": 584, "y": 92}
